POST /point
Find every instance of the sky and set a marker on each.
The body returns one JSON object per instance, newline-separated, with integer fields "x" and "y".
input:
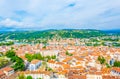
{"x": 59, "y": 14}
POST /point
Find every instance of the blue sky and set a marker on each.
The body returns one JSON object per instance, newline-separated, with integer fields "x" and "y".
{"x": 59, "y": 14}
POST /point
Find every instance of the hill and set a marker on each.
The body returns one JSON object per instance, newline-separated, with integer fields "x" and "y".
{"x": 49, "y": 34}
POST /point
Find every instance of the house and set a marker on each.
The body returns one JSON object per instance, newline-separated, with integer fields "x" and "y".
{"x": 8, "y": 71}
{"x": 77, "y": 77}
{"x": 94, "y": 75}
{"x": 115, "y": 71}
{"x": 2, "y": 75}
{"x": 49, "y": 52}
{"x": 34, "y": 65}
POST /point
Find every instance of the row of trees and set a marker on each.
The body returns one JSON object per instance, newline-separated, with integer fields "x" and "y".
{"x": 18, "y": 62}
{"x": 38, "y": 56}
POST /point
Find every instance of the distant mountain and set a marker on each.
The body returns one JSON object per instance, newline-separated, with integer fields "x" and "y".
{"x": 52, "y": 33}
{"x": 65, "y": 33}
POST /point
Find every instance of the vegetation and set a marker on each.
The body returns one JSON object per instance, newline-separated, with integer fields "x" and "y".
{"x": 69, "y": 54}
{"x": 38, "y": 56}
{"x": 18, "y": 62}
{"x": 49, "y": 34}
{"x": 94, "y": 37}
{"x": 6, "y": 43}
{"x": 29, "y": 77}
{"x": 107, "y": 65}
{"x": 49, "y": 69}
{"x": 116, "y": 64}
{"x": 21, "y": 76}
{"x": 101, "y": 59}
{"x": 10, "y": 53}
{"x": 3, "y": 62}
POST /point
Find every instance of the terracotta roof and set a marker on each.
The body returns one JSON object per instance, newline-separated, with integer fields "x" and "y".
{"x": 106, "y": 71}
{"x": 110, "y": 77}
{"x": 7, "y": 69}
{"x": 66, "y": 66}
{"x": 116, "y": 69}
{"x": 2, "y": 75}
{"x": 95, "y": 73}
{"x": 1, "y": 72}
{"x": 51, "y": 61}
{"x": 35, "y": 61}
{"x": 77, "y": 77}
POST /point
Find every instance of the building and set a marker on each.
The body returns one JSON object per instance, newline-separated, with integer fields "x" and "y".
{"x": 115, "y": 71}
{"x": 94, "y": 75}
{"x": 2, "y": 75}
{"x": 34, "y": 65}
{"x": 8, "y": 71}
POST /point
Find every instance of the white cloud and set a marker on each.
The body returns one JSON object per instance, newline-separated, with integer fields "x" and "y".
{"x": 8, "y": 22}
{"x": 45, "y": 13}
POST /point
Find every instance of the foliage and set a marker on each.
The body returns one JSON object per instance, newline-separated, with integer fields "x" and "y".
{"x": 69, "y": 54}
{"x": 53, "y": 57}
{"x": 49, "y": 34}
{"x": 21, "y": 76}
{"x": 3, "y": 62}
{"x": 101, "y": 59}
{"x": 19, "y": 63}
{"x": 38, "y": 56}
{"x": 6, "y": 43}
{"x": 10, "y": 53}
{"x": 107, "y": 65}
{"x": 116, "y": 64}
{"x": 29, "y": 77}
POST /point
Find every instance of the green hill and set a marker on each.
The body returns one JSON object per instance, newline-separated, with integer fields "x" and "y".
{"x": 51, "y": 34}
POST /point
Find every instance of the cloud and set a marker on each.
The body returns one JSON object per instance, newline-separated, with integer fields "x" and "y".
{"x": 8, "y": 23}
{"x": 58, "y": 14}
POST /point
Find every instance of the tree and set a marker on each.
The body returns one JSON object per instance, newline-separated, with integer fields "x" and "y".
{"x": 29, "y": 77}
{"x": 19, "y": 64}
{"x": 10, "y": 53}
{"x": 21, "y": 76}
{"x": 49, "y": 69}
{"x": 107, "y": 65}
{"x": 69, "y": 54}
{"x": 48, "y": 58}
{"x": 29, "y": 57}
{"x": 53, "y": 57}
{"x": 101, "y": 59}
{"x": 116, "y": 64}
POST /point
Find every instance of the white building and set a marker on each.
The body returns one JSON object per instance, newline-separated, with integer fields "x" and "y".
{"x": 34, "y": 65}
{"x": 94, "y": 76}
